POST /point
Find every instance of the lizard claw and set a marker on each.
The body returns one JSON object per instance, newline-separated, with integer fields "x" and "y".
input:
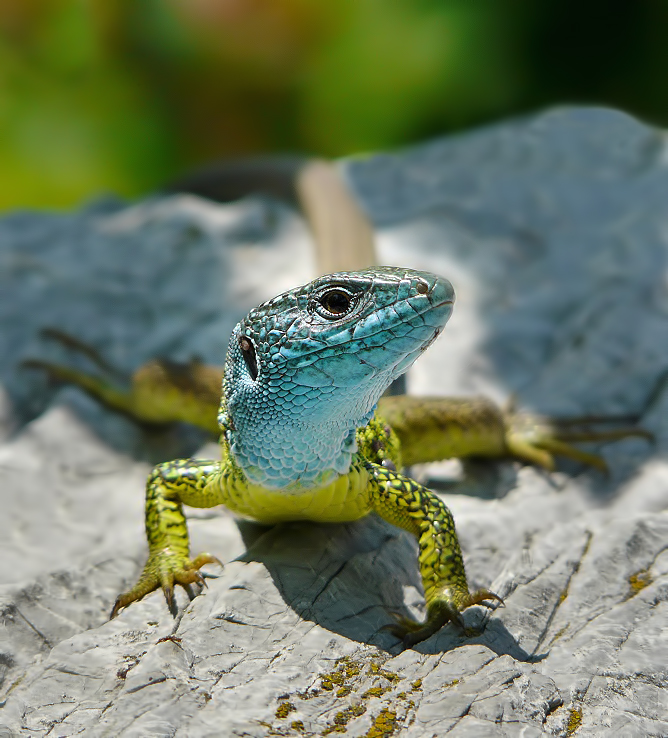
{"x": 440, "y": 611}
{"x": 538, "y": 440}
{"x": 164, "y": 570}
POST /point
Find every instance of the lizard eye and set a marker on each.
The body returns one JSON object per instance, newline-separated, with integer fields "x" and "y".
{"x": 336, "y": 302}
{"x": 248, "y": 352}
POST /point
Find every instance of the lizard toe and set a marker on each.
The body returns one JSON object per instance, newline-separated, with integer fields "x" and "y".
{"x": 164, "y": 570}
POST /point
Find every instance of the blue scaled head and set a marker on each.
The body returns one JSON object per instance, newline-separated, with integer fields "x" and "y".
{"x": 306, "y": 369}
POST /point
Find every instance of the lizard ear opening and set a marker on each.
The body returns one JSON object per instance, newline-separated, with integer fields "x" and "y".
{"x": 248, "y": 352}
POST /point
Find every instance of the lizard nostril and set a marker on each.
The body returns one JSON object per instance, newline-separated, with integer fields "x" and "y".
{"x": 422, "y": 288}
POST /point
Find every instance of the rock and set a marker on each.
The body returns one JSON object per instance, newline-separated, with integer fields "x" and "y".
{"x": 553, "y": 231}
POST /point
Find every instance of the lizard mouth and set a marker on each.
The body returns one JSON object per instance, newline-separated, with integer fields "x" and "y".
{"x": 437, "y": 333}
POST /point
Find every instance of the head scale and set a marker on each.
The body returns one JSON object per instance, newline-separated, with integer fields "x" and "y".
{"x": 306, "y": 369}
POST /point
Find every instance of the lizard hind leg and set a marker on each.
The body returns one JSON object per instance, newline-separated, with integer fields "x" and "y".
{"x": 539, "y": 440}
{"x": 408, "y": 505}
{"x": 111, "y": 387}
{"x": 158, "y": 393}
{"x": 76, "y": 345}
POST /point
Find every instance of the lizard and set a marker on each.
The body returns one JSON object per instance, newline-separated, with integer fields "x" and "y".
{"x": 305, "y": 433}
{"x": 370, "y": 312}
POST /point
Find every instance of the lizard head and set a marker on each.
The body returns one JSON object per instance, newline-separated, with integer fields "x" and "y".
{"x": 306, "y": 369}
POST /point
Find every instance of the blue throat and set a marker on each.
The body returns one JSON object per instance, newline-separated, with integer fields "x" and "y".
{"x": 306, "y": 369}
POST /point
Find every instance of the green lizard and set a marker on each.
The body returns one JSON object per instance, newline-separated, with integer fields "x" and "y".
{"x": 301, "y": 437}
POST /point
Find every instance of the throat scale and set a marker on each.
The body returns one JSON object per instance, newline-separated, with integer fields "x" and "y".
{"x": 307, "y": 368}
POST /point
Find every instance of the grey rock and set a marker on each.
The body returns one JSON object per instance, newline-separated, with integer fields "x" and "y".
{"x": 554, "y": 231}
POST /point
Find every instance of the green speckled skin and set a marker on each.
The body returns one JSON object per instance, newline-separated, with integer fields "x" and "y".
{"x": 403, "y": 430}
{"x": 390, "y": 316}
{"x": 367, "y": 487}
{"x": 408, "y": 505}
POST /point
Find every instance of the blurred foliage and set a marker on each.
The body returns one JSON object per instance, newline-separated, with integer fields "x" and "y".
{"x": 122, "y": 95}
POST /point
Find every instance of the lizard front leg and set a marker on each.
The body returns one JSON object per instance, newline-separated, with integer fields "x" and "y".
{"x": 170, "y": 485}
{"x": 408, "y": 505}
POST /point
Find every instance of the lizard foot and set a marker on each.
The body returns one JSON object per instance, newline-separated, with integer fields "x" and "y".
{"x": 441, "y": 610}
{"x": 165, "y": 569}
{"x": 158, "y": 393}
{"x": 538, "y": 440}
{"x": 110, "y": 387}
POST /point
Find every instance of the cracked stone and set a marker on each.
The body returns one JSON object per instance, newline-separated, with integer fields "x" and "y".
{"x": 553, "y": 231}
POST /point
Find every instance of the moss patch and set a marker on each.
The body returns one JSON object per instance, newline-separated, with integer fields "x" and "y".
{"x": 638, "y": 582}
{"x": 574, "y": 720}
{"x": 346, "y": 669}
{"x": 284, "y": 709}
{"x": 384, "y": 725}
{"x": 341, "y": 719}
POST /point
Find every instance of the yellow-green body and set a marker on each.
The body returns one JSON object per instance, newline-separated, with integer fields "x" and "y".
{"x": 403, "y": 430}
{"x": 343, "y": 500}
{"x": 368, "y": 486}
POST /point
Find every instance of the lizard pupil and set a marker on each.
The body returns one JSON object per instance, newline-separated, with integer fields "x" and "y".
{"x": 336, "y": 302}
{"x": 248, "y": 352}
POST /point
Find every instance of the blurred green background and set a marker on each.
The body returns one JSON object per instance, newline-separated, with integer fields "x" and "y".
{"x": 124, "y": 95}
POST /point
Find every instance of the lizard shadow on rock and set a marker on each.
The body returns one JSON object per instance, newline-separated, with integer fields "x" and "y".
{"x": 349, "y": 578}
{"x": 483, "y": 478}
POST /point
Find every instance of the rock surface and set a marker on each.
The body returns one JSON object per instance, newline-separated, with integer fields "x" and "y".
{"x": 554, "y": 231}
